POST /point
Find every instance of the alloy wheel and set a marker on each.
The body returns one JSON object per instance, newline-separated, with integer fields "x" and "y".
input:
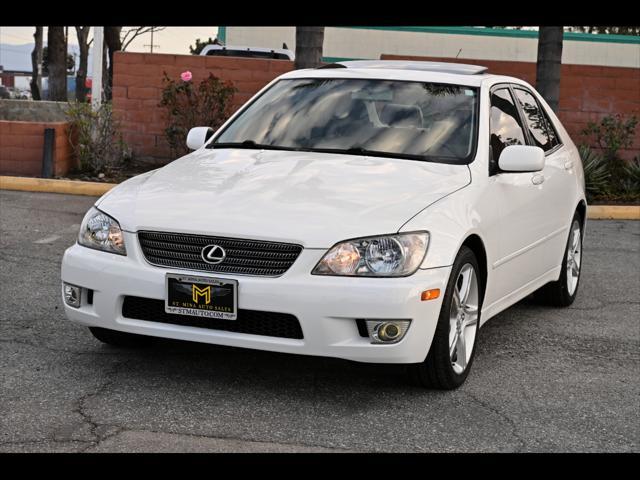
{"x": 574, "y": 258}
{"x": 463, "y": 318}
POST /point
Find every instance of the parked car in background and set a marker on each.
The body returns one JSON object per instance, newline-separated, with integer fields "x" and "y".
{"x": 249, "y": 52}
{"x": 4, "y": 92}
{"x": 376, "y": 211}
{"x": 22, "y": 94}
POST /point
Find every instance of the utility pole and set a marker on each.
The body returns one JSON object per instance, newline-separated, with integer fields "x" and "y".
{"x": 39, "y": 53}
{"x": 96, "y": 80}
{"x": 66, "y": 50}
{"x": 152, "y": 45}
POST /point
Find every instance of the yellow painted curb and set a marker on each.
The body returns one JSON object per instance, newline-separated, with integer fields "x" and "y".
{"x": 71, "y": 187}
{"x": 613, "y": 212}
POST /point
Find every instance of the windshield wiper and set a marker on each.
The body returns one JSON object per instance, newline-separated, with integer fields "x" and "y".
{"x": 356, "y": 150}
{"x": 250, "y": 144}
{"x": 361, "y": 151}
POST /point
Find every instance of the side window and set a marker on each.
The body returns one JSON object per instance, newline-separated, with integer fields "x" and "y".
{"x": 551, "y": 129}
{"x": 504, "y": 126}
{"x": 538, "y": 122}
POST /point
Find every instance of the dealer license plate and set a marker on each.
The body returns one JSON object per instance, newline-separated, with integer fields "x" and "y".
{"x": 201, "y": 296}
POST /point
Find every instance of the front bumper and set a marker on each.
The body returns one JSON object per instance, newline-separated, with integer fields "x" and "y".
{"x": 326, "y": 307}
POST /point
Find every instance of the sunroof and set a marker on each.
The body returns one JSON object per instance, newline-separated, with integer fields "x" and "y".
{"x": 459, "y": 68}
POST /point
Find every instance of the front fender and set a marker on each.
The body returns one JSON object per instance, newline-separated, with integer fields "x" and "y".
{"x": 453, "y": 219}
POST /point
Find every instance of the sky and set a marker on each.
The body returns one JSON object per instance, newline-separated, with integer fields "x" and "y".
{"x": 169, "y": 40}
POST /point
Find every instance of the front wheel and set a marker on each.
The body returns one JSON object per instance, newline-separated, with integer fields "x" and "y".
{"x": 452, "y": 350}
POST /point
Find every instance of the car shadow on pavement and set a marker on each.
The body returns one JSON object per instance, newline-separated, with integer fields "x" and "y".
{"x": 199, "y": 365}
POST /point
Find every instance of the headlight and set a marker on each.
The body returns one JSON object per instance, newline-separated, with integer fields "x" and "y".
{"x": 100, "y": 231}
{"x": 384, "y": 256}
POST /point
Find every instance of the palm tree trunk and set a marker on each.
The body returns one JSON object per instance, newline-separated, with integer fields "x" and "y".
{"x": 57, "y": 64}
{"x": 309, "y": 42}
{"x": 114, "y": 44}
{"x": 549, "y": 64}
{"x": 36, "y": 62}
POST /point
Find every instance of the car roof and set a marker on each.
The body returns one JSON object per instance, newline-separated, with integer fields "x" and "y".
{"x": 437, "y": 72}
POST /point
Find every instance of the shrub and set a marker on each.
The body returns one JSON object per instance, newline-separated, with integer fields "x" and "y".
{"x": 631, "y": 182}
{"x": 612, "y": 134}
{"x": 596, "y": 173}
{"x": 188, "y": 106}
{"x": 95, "y": 139}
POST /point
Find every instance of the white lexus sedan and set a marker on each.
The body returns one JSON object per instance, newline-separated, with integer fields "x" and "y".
{"x": 376, "y": 211}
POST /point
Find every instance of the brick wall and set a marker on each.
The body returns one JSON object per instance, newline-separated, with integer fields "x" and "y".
{"x": 587, "y": 93}
{"x": 7, "y": 79}
{"x": 137, "y": 84}
{"x": 22, "y": 145}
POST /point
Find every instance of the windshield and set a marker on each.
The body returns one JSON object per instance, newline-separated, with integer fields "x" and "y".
{"x": 424, "y": 121}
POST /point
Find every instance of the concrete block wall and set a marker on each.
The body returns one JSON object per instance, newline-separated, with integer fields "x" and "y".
{"x": 22, "y": 148}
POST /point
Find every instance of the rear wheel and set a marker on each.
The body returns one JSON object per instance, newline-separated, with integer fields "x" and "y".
{"x": 562, "y": 292}
{"x": 452, "y": 350}
{"x": 120, "y": 339}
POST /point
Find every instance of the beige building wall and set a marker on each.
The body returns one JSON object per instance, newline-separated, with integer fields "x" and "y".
{"x": 371, "y": 43}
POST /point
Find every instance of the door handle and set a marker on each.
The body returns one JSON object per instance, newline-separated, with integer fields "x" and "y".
{"x": 568, "y": 165}
{"x": 537, "y": 179}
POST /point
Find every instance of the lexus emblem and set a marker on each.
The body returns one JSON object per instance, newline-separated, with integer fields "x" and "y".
{"x": 213, "y": 254}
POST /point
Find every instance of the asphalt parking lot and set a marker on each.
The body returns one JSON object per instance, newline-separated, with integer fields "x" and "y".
{"x": 543, "y": 380}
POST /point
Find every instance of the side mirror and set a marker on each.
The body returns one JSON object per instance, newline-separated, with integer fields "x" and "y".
{"x": 198, "y": 136}
{"x": 521, "y": 158}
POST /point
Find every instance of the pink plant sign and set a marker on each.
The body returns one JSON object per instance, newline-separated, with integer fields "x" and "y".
{"x": 186, "y": 76}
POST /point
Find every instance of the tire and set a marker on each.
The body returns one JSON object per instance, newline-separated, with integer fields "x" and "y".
{"x": 120, "y": 339}
{"x": 442, "y": 369}
{"x": 562, "y": 292}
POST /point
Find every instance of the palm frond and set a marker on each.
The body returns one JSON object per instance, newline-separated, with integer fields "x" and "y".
{"x": 596, "y": 172}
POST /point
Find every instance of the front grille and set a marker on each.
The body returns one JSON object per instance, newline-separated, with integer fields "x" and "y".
{"x": 245, "y": 257}
{"x": 269, "y": 324}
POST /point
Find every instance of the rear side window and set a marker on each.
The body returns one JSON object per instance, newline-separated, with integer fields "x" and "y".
{"x": 504, "y": 124}
{"x": 538, "y": 123}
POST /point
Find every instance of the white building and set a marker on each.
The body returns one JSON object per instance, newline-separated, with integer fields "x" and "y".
{"x": 342, "y": 43}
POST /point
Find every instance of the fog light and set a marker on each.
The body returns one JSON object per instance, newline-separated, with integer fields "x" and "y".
{"x": 71, "y": 295}
{"x": 387, "y": 331}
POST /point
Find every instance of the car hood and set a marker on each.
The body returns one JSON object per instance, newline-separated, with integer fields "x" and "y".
{"x": 313, "y": 199}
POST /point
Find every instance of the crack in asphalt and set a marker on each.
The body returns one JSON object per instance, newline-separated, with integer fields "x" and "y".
{"x": 82, "y": 409}
{"x": 509, "y": 420}
{"x": 223, "y": 437}
{"x": 92, "y": 444}
{"x": 87, "y": 419}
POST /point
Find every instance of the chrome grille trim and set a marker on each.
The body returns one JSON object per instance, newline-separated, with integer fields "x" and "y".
{"x": 244, "y": 257}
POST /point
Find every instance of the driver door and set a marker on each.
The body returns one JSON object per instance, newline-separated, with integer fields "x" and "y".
{"x": 522, "y": 203}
